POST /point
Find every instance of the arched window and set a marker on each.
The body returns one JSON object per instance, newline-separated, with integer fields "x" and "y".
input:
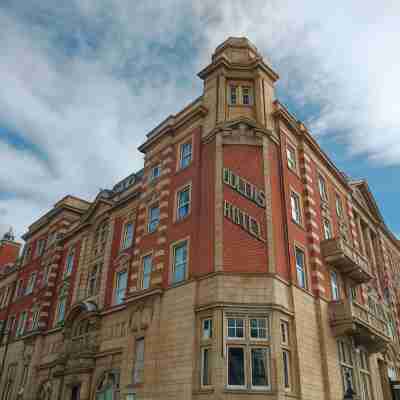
{"x": 108, "y": 386}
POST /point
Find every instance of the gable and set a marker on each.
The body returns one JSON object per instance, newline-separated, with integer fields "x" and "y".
{"x": 365, "y": 197}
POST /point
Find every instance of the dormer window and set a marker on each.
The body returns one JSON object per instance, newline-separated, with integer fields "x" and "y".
{"x": 240, "y": 95}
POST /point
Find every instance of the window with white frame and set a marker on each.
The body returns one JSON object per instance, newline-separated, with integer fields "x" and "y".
{"x": 183, "y": 200}
{"x": 235, "y": 328}
{"x": 154, "y": 218}
{"x": 365, "y": 376}
{"x": 21, "y": 323}
{"x": 147, "y": 267}
{"x": 61, "y": 309}
{"x": 120, "y": 286}
{"x": 185, "y": 154}
{"x": 41, "y": 245}
{"x": 291, "y": 157}
{"x": 326, "y": 224}
{"x": 301, "y": 268}
{"x": 335, "y": 286}
{"x": 259, "y": 328}
{"x": 248, "y": 353}
{"x": 138, "y": 368}
{"x": 69, "y": 263}
{"x": 322, "y": 188}
{"x": 127, "y": 238}
{"x": 296, "y": 207}
{"x": 31, "y": 283}
{"x": 346, "y": 361}
{"x": 180, "y": 262}
{"x": 207, "y": 328}
{"x": 339, "y": 206}
{"x": 35, "y": 318}
{"x": 155, "y": 172}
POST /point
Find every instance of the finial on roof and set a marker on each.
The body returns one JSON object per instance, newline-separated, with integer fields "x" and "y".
{"x": 9, "y": 235}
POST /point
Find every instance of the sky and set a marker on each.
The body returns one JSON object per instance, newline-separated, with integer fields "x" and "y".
{"x": 83, "y": 81}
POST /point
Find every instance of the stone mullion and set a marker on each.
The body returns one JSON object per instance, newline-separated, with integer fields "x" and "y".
{"x": 317, "y": 278}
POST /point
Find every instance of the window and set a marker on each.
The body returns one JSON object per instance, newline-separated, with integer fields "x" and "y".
{"x": 334, "y": 286}
{"x": 183, "y": 207}
{"x": 61, "y": 310}
{"x": 19, "y": 288}
{"x": 92, "y": 281}
{"x": 207, "y": 328}
{"x": 365, "y": 379}
{"x": 296, "y": 210}
{"x": 258, "y": 328}
{"x": 155, "y": 172}
{"x": 100, "y": 237}
{"x": 107, "y": 386}
{"x": 11, "y": 323}
{"x": 236, "y": 367}
{"x": 235, "y": 328}
{"x": 179, "y": 267}
{"x": 46, "y": 274}
{"x": 300, "y": 268}
{"x": 339, "y": 206}
{"x": 286, "y": 369}
{"x": 121, "y": 284}
{"x": 205, "y": 367}
{"x": 291, "y": 157}
{"x": 246, "y": 95}
{"x": 35, "y": 318}
{"x": 154, "y": 218}
{"x": 233, "y": 94}
{"x": 138, "y": 369}
{"x": 259, "y": 368}
{"x": 128, "y": 236}
{"x": 147, "y": 266}
{"x": 322, "y": 188}
{"x": 31, "y": 283}
{"x": 69, "y": 264}
{"x": 185, "y": 155}
{"x": 327, "y": 228}
{"x": 353, "y": 293}
{"x": 21, "y": 323}
{"x": 284, "y": 332}
{"x": 41, "y": 245}
{"x": 346, "y": 364}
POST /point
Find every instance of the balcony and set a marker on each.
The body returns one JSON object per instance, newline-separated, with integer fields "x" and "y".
{"x": 352, "y": 319}
{"x": 347, "y": 260}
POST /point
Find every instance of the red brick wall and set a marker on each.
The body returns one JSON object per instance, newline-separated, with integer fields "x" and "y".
{"x": 8, "y": 253}
{"x": 241, "y": 251}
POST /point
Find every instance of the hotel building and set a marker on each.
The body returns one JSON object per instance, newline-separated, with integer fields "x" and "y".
{"x": 239, "y": 263}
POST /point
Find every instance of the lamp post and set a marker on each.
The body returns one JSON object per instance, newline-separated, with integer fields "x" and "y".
{"x": 350, "y": 393}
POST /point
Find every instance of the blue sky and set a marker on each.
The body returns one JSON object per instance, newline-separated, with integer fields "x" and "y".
{"x": 83, "y": 82}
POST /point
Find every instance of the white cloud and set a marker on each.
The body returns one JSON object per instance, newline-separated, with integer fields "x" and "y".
{"x": 85, "y": 82}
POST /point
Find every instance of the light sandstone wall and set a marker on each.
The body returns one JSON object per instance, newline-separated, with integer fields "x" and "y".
{"x": 309, "y": 346}
{"x": 176, "y": 347}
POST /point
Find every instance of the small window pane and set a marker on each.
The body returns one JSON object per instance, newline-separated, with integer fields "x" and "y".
{"x": 259, "y": 367}
{"x": 300, "y": 268}
{"x": 180, "y": 262}
{"x": 183, "y": 203}
{"x": 207, "y": 328}
{"x": 233, "y": 94}
{"x": 236, "y": 375}
{"x": 258, "y": 328}
{"x": 147, "y": 266}
{"x": 139, "y": 361}
{"x": 284, "y": 332}
{"x": 154, "y": 218}
{"x": 235, "y": 328}
{"x": 185, "y": 154}
{"x": 286, "y": 369}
